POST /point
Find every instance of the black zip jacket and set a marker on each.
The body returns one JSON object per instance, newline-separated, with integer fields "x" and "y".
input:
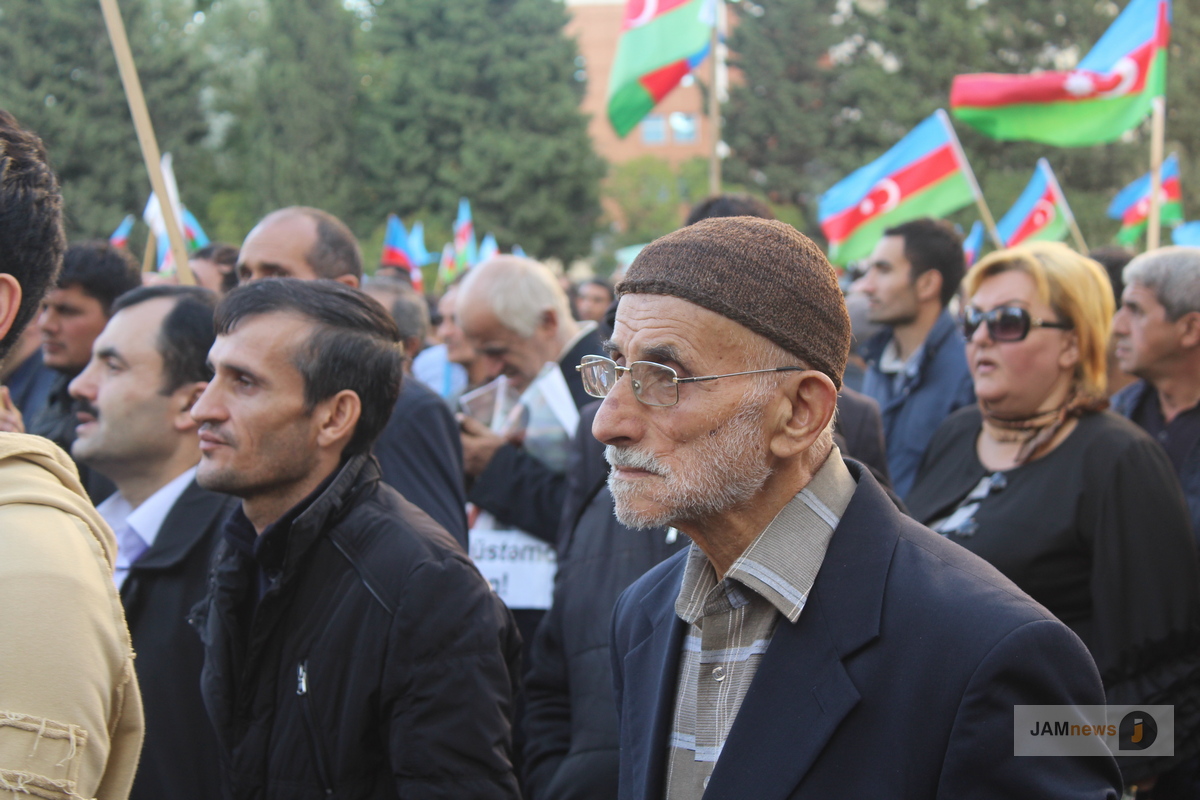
{"x": 377, "y": 664}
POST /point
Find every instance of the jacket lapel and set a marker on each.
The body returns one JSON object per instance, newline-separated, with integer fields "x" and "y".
{"x": 651, "y": 672}
{"x": 802, "y": 690}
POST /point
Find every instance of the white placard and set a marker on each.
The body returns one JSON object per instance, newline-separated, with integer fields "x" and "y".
{"x": 519, "y": 567}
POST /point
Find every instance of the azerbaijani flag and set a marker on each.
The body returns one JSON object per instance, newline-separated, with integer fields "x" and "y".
{"x": 973, "y": 244}
{"x": 661, "y": 41}
{"x": 193, "y": 235}
{"x": 120, "y": 237}
{"x": 447, "y": 269}
{"x": 395, "y": 245}
{"x": 1132, "y": 204}
{"x": 1109, "y": 92}
{"x": 924, "y": 175}
{"x": 416, "y": 245}
{"x": 466, "y": 254}
{"x": 1040, "y": 213}
{"x": 488, "y": 248}
{"x": 1187, "y": 234}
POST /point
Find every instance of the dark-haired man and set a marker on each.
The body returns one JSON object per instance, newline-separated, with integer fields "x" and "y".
{"x": 70, "y": 711}
{"x": 351, "y": 648}
{"x": 94, "y": 274}
{"x": 917, "y": 367}
{"x": 148, "y": 366}
{"x": 419, "y": 451}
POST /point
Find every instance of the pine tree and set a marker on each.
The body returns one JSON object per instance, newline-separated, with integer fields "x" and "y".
{"x": 477, "y": 99}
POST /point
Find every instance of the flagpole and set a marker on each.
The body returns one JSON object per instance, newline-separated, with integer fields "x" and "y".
{"x": 986, "y": 213}
{"x": 714, "y": 105}
{"x": 145, "y": 132}
{"x": 1076, "y": 233}
{"x": 1158, "y": 130}
{"x": 148, "y": 256}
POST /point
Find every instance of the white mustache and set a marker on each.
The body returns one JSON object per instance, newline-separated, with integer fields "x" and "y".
{"x": 628, "y": 457}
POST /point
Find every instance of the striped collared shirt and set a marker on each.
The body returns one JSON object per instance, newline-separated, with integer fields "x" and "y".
{"x": 731, "y": 621}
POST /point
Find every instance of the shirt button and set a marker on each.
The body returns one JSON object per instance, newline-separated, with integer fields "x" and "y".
{"x": 718, "y": 674}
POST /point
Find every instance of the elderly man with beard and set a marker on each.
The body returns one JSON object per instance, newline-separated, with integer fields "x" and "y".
{"x": 812, "y": 642}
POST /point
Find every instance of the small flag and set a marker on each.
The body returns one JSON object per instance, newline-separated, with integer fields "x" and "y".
{"x": 120, "y": 237}
{"x": 1187, "y": 234}
{"x": 1132, "y": 204}
{"x": 1109, "y": 92}
{"x": 488, "y": 248}
{"x": 416, "y": 245}
{"x": 519, "y": 251}
{"x": 465, "y": 253}
{"x": 395, "y": 245}
{"x": 661, "y": 41}
{"x": 447, "y": 268}
{"x": 193, "y": 234}
{"x": 1040, "y": 212}
{"x": 924, "y": 174}
{"x": 973, "y": 244}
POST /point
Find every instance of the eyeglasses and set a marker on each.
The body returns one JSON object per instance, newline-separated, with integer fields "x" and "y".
{"x": 1004, "y": 323}
{"x": 653, "y": 384}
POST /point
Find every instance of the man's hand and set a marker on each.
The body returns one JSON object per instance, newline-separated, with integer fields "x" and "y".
{"x": 479, "y": 445}
{"x": 10, "y": 415}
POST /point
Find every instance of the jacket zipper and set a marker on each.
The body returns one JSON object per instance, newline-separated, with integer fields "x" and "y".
{"x": 313, "y": 739}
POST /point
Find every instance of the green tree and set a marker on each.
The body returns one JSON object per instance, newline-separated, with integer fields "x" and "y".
{"x": 477, "y": 98}
{"x": 60, "y": 79}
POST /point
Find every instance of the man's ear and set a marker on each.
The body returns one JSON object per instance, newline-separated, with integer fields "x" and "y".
{"x": 1189, "y": 335}
{"x": 929, "y": 285}
{"x": 185, "y": 397}
{"x": 338, "y": 417}
{"x": 809, "y": 403}
{"x": 549, "y": 322}
{"x": 10, "y": 302}
{"x": 350, "y": 280}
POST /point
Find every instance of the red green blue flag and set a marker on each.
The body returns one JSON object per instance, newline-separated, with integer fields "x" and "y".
{"x": 193, "y": 234}
{"x": 973, "y": 244}
{"x": 1132, "y": 204}
{"x": 661, "y": 41}
{"x": 416, "y": 245}
{"x": 924, "y": 175}
{"x": 1040, "y": 213}
{"x": 395, "y": 245}
{"x": 1110, "y": 91}
{"x": 120, "y": 237}
{"x": 466, "y": 253}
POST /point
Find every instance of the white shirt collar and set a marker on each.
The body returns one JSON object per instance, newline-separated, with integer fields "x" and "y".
{"x": 585, "y": 328}
{"x": 147, "y": 518}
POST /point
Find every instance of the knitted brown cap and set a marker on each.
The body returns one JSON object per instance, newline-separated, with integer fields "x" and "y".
{"x": 760, "y": 273}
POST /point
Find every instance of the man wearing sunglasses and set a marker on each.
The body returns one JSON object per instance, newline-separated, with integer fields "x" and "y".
{"x": 812, "y": 642}
{"x": 916, "y": 367}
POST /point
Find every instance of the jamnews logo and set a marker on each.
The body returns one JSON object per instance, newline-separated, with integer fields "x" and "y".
{"x": 1094, "y": 730}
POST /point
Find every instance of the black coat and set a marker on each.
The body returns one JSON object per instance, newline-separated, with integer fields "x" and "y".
{"x": 898, "y": 680}
{"x": 379, "y": 664}
{"x": 571, "y": 745}
{"x": 180, "y": 756}
{"x": 420, "y": 456}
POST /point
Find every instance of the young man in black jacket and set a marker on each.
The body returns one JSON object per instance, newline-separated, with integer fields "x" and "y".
{"x": 351, "y": 648}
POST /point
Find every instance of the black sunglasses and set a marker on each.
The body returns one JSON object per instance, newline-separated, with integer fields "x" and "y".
{"x": 1004, "y": 323}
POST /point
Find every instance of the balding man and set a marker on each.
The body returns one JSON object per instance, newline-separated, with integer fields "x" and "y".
{"x": 812, "y": 642}
{"x": 419, "y": 451}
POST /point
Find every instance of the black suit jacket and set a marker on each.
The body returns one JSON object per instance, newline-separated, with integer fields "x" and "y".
{"x": 897, "y": 681}
{"x": 515, "y": 487}
{"x": 420, "y": 456}
{"x": 180, "y": 758}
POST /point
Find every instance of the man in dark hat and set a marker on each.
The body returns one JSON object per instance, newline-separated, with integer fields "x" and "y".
{"x": 812, "y": 642}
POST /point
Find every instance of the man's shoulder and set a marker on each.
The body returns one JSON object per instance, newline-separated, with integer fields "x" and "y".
{"x": 654, "y": 593}
{"x": 1125, "y": 401}
{"x": 386, "y": 538}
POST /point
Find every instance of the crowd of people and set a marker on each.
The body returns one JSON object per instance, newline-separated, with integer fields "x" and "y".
{"x": 283, "y": 534}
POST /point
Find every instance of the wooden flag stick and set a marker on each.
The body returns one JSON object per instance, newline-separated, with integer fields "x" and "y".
{"x": 151, "y": 252}
{"x": 1158, "y": 131}
{"x": 989, "y": 221}
{"x": 145, "y": 134}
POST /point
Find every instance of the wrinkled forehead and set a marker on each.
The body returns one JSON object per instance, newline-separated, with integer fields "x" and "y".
{"x": 650, "y": 326}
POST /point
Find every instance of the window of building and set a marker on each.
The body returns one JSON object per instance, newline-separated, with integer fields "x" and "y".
{"x": 684, "y": 127}
{"x": 654, "y": 129}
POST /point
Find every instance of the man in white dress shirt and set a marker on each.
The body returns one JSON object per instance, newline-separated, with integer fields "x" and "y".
{"x": 148, "y": 366}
